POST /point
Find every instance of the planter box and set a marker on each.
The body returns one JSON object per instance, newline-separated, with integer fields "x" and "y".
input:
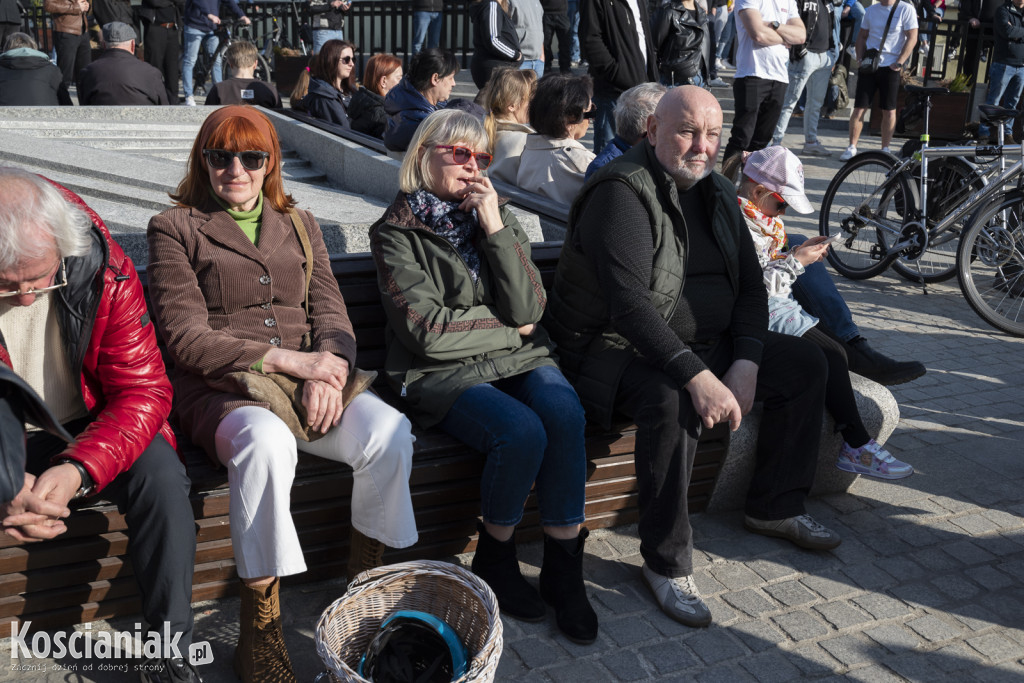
{"x": 286, "y": 72}
{"x": 948, "y": 116}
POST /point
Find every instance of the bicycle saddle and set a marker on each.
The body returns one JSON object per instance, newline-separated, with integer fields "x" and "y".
{"x": 930, "y": 90}
{"x": 991, "y": 113}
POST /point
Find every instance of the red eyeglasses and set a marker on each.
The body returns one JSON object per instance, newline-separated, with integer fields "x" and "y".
{"x": 462, "y": 155}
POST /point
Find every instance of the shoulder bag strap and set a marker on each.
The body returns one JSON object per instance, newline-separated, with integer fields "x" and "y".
{"x": 307, "y": 249}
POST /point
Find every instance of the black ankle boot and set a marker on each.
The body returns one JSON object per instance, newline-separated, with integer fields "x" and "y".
{"x": 561, "y": 586}
{"x": 495, "y": 562}
{"x": 867, "y": 362}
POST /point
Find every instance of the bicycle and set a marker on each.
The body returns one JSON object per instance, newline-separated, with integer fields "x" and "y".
{"x": 226, "y": 35}
{"x": 910, "y": 213}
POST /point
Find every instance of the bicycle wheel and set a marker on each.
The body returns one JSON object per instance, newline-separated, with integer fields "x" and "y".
{"x": 868, "y": 204}
{"x": 990, "y": 264}
{"x": 262, "y": 71}
{"x": 951, "y": 181}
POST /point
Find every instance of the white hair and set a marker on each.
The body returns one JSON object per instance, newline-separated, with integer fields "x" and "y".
{"x": 33, "y": 216}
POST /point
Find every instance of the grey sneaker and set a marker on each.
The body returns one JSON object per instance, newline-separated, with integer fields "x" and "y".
{"x": 678, "y": 598}
{"x": 717, "y": 83}
{"x": 815, "y": 149}
{"x": 801, "y": 530}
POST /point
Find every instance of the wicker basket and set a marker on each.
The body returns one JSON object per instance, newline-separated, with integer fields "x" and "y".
{"x": 449, "y": 592}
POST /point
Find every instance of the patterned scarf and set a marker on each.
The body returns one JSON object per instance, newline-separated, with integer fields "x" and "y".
{"x": 449, "y": 222}
{"x": 769, "y": 226}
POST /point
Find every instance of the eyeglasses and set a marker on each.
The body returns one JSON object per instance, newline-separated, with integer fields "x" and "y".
{"x": 220, "y": 159}
{"x": 41, "y": 290}
{"x": 782, "y": 202}
{"x": 462, "y": 155}
{"x": 346, "y": 60}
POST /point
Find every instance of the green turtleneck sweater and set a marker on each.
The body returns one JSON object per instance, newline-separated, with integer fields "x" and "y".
{"x": 249, "y": 222}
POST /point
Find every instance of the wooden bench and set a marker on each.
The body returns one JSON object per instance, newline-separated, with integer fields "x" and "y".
{"x": 85, "y": 574}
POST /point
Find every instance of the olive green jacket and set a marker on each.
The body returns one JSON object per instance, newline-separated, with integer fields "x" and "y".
{"x": 445, "y": 332}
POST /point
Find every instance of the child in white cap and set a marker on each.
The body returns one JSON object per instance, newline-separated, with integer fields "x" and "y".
{"x": 772, "y": 181}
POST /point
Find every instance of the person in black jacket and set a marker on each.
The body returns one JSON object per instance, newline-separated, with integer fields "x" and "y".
{"x": 107, "y": 11}
{"x": 366, "y": 111}
{"x": 328, "y": 20}
{"x": 556, "y": 24}
{"x": 118, "y": 78}
{"x": 27, "y": 78}
{"x": 423, "y": 90}
{"x": 682, "y": 38}
{"x": 243, "y": 87}
{"x": 426, "y": 24}
{"x": 620, "y": 50}
{"x": 162, "y": 45}
{"x": 10, "y": 19}
{"x": 331, "y": 83}
{"x": 495, "y": 41}
{"x": 1006, "y": 74}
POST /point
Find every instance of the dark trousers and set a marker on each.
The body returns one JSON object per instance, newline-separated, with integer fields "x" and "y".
{"x": 73, "y": 54}
{"x": 557, "y": 25}
{"x": 153, "y": 497}
{"x": 163, "y": 50}
{"x": 758, "y": 103}
{"x": 839, "y": 398}
{"x": 791, "y": 385}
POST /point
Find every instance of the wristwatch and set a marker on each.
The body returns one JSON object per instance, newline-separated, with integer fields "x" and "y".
{"x": 899, "y": 66}
{"x": 775, "y": 25}
{"x": 88, "y": 485}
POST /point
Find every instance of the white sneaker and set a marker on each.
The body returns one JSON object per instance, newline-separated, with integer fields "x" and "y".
{"x": 190, "y": 101}
{"x": 852, "y": 51}
{"x": 718, "y": 83}
{"x": 872, "y": 460}
{"x": 850, "y": 152}
{"x": 678, "y": 598}
{"x": 887, "y": 150}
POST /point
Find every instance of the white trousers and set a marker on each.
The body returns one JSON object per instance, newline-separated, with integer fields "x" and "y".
{"x": 260, "y": 453}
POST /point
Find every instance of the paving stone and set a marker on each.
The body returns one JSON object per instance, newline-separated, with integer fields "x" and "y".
{"x": 1009, "y": 672}
{"x": 975, "y": 617}
{"x": 622, "y": 600}
{"x": 536, "y": 652}
{"x": 894, "y": 637}
{"x": 715, "y": 645}
{"x": 919, "y": 594}
{"x": 933, "y": 629}
{"x": 1008, "y": 608}
{"x": 667, "y": 657}
{"x": 881, "y": 606}
{"x": 842, "y": 614}
{"x": 844, "y": 503}
{"x": 735, "y": 576}
{"x": 869, "y": 577}
{"x": 886, "y": 542}
{"x": 996, "y": 647}
{"x": 770, "y": 570}
{"x": 956, "y": 586}
{"x": 791, "y": 593}
{"x": 1004, "y": 519}
{"x": 902, "y": 567}
{"x": 851, "y": 650}
{"x": 627, "y": 666}
{"x": 831, "y": 585}
{"x": 721, "y": 612}
{"x": 724, "y": 674}
{"x": 706, "y": 584}
{"x": 629, "y": 631}
{"x": 758, "y": 635}
{"x": 770, "y": 667}
{"x": 954, "y": 504}
{"x": 920, "y": 666}
{"x": 666, "y": 625}
{"x": 937, "y": 561}
{"x": 918, "y": 536}
{"x": 579, "y": 672}
{"x": 968, "y": 552}
{"x": 1013, "y": 567}
{"x": 801, "y": 625}
{"x": 975, "y": 524}
{"x": 852, "y": 551}
{"x": 874, "y": 674}
{"x": 752, "y": 602}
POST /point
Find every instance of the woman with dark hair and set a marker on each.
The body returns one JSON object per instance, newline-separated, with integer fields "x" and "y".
{"x": 422, "y": 91}
{"x": 366, "y": 111}
{"x": 495, "y": 41}
{"x": 553, "y": 161}
{"x": 243, "y": 292}
{"x": 332, "y": 83}
{"x": 467, "y": 353}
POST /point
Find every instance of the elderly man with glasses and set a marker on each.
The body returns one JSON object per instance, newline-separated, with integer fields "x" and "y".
{"x": 74, "y": 326}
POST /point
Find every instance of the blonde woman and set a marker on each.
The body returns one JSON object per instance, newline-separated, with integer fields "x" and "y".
{"x": 508, "y": 119}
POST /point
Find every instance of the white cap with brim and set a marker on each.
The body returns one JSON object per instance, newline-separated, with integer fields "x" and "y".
{"x": 780, "y": 171}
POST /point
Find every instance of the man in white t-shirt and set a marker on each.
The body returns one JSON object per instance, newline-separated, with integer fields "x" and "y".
{"x": 765, "y": 30}
{"x": 895, "y": 47}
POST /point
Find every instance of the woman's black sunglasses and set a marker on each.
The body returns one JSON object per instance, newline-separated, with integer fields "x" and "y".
{"x": 220, "y": 159}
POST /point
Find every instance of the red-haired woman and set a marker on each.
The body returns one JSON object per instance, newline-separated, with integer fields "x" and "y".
{"x": 332, "y": 82}
{"x": 227, "y": 277}
{"x": 383, "y": 72}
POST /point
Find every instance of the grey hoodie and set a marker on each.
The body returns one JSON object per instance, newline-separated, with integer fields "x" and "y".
{"x": 528, "y": 16}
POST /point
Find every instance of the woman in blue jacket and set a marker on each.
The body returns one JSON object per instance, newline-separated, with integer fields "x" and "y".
{"x": 422, "y": 91}
{"x": 332, "y": 83}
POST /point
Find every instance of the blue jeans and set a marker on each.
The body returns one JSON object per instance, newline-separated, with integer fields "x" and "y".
{"x": 530, "y": 428}
{"x": 574, "y": 28}
{"x": 857, "y": 14}
{"x": 725, "y": 39}
{"x": 817, "y": 294}
{"x": 322, "y": 35}
{"x": 536, "y": 64}
{"x": 604, "y": 122}
{"x": 1005, "y": 83}
{"x": 812, "y": 72}
{"x": 194, "y": 38}
{"x": 426, "y": 28}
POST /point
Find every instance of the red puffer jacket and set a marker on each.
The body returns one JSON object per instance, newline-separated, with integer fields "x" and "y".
{"x": 112, "y": 344}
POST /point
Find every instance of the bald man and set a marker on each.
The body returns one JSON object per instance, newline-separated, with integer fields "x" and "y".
{"x": 660, "y": 315}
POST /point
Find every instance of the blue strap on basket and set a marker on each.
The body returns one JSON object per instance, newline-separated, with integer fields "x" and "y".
{"x": 447, "y": 633}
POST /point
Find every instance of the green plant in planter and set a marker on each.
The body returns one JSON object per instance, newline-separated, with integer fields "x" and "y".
{"x": 961, "y": 83}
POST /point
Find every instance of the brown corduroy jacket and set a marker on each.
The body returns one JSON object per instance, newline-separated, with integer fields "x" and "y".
{"x": 222, "y": 303}
{"x": 68, "y": 17}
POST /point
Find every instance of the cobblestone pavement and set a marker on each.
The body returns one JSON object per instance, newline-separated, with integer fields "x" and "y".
{"x": 928, "y": 584}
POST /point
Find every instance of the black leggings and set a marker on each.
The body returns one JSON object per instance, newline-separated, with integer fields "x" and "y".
{"x": 839, "y": 398}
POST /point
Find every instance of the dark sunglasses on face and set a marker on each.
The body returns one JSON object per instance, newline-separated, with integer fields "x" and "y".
{"x": 782, "y": 202}
{"x": 346, "y": 60}
{"x": 590, "y": 113}
{"x": 220, "y": 159}
{"x": 462, "y": 155}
